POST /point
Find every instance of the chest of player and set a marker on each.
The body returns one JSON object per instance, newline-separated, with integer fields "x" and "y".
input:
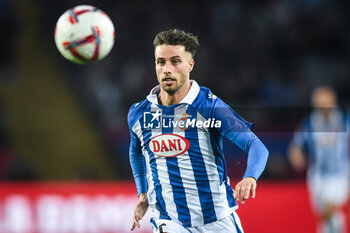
{"x": 180, "y": 144}
{"x": 178, "y": 131}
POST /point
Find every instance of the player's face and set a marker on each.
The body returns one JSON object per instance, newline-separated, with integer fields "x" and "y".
{"x": 324, "y": 99}
{"x": 173, "y": 67}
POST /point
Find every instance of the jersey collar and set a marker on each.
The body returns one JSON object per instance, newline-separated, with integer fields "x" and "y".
{"x": 188, "y": 99}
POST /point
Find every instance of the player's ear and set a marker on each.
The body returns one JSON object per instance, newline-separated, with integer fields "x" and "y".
{"x": 191, "y": 65}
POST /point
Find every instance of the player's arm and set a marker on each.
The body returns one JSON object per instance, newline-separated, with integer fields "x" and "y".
{"x": 296, "y": 158}
{"x": 140, "y": 210}
{"x": 296, "y": 155}
{"x": 238, "y": 131}
{"x": 138, "y": 166}
{"x": 257, "y": 159}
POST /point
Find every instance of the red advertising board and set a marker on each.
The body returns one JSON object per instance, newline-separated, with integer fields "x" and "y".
{"x": 107, "y": 207}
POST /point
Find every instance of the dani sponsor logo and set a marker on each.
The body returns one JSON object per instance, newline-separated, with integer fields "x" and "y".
{"x": 168, "y": 145}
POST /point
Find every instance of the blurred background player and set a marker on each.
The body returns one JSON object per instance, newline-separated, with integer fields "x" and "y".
{"x": 323, "y": 136}
{"x": 189, "y": 191}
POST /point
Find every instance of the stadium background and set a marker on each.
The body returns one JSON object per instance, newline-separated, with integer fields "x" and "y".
{"x": 63, "y": 133}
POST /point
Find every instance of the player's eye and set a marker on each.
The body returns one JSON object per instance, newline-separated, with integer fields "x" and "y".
{"x": 175, "y": 61}
{"x": 160, "y": 62}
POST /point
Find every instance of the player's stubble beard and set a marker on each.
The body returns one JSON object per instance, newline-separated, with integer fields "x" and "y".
{"x": 172, "y": 90}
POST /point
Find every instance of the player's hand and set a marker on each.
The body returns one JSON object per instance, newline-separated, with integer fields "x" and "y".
{"x": 297, "y": 158}
{"x": 244, "y": 188}
{"x": 140, "y": 210}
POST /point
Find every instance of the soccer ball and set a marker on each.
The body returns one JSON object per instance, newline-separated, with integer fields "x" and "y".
{"x": 84, "y": 34}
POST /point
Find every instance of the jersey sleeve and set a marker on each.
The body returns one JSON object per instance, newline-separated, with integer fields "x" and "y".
{"x": 238, "y": 131}
{"x": 300, "y": 135}
{"x": 257, "y": 153}
{"x": 347, "y": 122}
{"x": 230, "y": 120}
{"x": 137, "y": 160}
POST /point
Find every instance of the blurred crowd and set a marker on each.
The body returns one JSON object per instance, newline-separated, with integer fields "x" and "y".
{"x": 253, "y": 54}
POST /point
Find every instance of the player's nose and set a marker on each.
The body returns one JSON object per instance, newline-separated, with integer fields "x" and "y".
{"x": 167, "y": 73}
{"x": 167, "y": 68}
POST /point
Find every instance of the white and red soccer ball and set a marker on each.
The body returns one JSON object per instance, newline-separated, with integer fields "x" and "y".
{"x": 84, "y": 34}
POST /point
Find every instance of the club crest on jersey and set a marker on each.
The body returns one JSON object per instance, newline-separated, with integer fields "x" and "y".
{"x": 168, "y": 145}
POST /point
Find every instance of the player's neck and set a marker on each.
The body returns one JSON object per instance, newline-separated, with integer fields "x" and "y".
{"x": 171, "y": 99}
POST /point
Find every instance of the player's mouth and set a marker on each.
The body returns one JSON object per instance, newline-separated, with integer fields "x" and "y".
{"x": 168, "y": 81}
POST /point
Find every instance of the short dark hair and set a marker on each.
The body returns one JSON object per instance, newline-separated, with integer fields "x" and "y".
{"x": 177, "y": 37}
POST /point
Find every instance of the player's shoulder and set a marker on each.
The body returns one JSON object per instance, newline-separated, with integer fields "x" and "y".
{"x": 206, "y": 102}
{"x": 305, "y": 123}
{"x": 207, "y": 99}
{"x": 206, "y": 96}
{"x": 136, "y": 110}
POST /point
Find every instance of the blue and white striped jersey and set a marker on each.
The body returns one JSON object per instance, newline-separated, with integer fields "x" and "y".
{"x": 177, "y": 158}
{"x": 327, "y": 143}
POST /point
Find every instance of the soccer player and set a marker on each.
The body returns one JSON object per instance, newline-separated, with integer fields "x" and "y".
{"x": 176, "y": 151}
{"x": 323, "y": 135}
